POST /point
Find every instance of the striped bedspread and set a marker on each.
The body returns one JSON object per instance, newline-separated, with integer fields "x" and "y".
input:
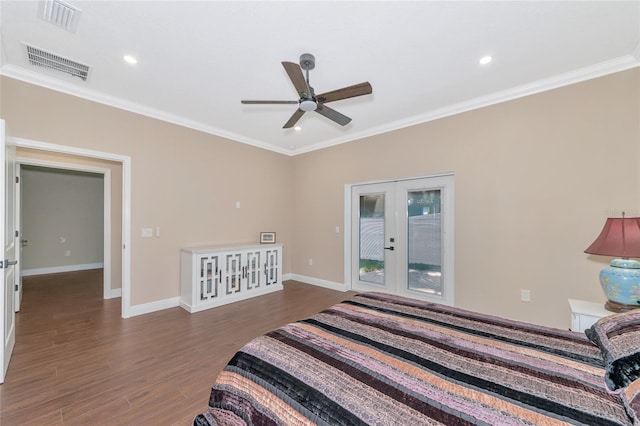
{"x": 387, "y": 360}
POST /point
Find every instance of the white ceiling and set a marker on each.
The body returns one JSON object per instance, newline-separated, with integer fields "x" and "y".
{"x": 198, "y": 59}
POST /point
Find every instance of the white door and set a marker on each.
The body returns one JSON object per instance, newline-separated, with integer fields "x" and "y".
{"x": 402, "y": 238}
{"x": 8, "y": 238}
{"x": 19, "y": 240}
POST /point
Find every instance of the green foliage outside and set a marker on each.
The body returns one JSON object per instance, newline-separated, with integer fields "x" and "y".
{"x": 369, "y": 265}
{"x": 424, "y": 267}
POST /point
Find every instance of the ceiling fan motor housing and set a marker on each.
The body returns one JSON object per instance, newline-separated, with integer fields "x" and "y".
{"x": 307, "y": 61}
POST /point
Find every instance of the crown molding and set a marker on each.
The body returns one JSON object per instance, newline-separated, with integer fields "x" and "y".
{"x": 594, "y": 71}
{"x": 105, "y": 99}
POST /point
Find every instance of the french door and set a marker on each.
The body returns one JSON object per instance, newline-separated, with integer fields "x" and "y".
{"x": 402, "y": 238}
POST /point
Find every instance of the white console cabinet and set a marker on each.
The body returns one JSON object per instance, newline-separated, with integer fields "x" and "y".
{"x": 215, "y": 275}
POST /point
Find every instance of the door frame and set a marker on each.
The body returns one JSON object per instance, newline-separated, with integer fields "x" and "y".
{"x": 348, "y": 243}
{"x": 106, "y": 205}
{"x": 18, "y": 224}
{"x": 125, "y": 160}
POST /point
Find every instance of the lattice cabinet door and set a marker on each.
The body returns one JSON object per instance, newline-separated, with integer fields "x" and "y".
{"x": 253, "y": 269}
{"x": 234, "y": 272}
{"x": 272, "y": 266}
{"x": 209, "y": 277}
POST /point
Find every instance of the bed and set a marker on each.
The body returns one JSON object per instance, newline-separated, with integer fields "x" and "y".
{"x": 388, "y": 360}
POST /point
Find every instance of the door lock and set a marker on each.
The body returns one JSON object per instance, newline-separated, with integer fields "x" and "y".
{"x": 389, "y": 248}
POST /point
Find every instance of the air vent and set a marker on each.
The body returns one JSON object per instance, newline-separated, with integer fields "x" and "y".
{"x": 60, "y": 14}
{"x": 40, "y": 58}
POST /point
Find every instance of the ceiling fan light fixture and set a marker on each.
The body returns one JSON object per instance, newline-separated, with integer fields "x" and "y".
{"x": 308, "y": 105}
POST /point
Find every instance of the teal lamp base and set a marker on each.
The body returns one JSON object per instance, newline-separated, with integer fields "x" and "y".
{"x": 621, "y": 283}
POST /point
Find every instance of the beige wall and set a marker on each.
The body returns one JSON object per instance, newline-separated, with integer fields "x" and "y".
{"x": 46, "y": 157}
{"x": 184, "y": 181}
{"x": 535, "y": 179}
{"x": 62, "y": 211}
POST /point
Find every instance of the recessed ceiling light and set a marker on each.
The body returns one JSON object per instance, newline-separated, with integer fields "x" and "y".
{"x": 130, "y": 59}
{"x": 297, "y": 128}
{"x": 485, "y": 60}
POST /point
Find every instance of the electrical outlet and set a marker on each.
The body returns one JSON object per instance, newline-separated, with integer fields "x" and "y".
{"x": 147, "y": 232}
{"x": 525, "y": 295}
{"x": 310, "y": 262}
{"x": 67, "y": 253}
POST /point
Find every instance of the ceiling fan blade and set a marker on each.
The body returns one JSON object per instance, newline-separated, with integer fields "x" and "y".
{"x": 297, "y": 78}
{"x": 268, "y": 102}
{"x": 332, "y": 114}
{"x": 294, "y": 119}
{"x": 346, "y": 92}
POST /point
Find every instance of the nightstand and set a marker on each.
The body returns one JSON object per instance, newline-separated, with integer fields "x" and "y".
{"x": 585, "y": 314}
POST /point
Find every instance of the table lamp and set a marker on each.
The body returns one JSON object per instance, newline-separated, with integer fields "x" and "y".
{"x": 620, "y": 238}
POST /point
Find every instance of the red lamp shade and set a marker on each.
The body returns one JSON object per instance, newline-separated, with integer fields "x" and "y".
{"x": 620, "y": 237}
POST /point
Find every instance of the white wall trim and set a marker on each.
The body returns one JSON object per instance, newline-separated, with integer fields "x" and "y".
{"x": 105, "y": 99}
{"x": 317, "y": 282}
{"x": 125, "y": 160}
{"x": 158, "y": 305}
{"x": 115, "y": 293}
{"x": 58, "y": 269}
{"x": 622, "y": 63}
{"x": 346, "y": 234}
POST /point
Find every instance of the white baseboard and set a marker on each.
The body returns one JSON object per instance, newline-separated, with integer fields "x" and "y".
{"x": 115, "y": 292}
{"x": 147, "y": 308}
{"x": 317, "y": 282}
{"x": 58, "y": 269}
{"x": 173, "y": 302}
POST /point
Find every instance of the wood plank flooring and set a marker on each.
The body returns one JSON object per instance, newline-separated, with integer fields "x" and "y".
{"x": 76, "y": 362}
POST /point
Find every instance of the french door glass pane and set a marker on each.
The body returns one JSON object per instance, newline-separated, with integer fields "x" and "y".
{"x": 424, "y": 241}
{"x": 372, "y": 238}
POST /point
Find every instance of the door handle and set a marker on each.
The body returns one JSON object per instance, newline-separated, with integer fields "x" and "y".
{"x": 6, "y": 263}
{"x": 389, "y": 248}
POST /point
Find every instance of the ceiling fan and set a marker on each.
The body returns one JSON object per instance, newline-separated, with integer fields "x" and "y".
{"x": 309, "y": 101}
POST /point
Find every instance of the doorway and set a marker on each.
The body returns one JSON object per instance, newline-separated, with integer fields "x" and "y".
{"x": 64, "y": 221}
{"x": 401, "y": 235}
{"x": 64, "y": 156}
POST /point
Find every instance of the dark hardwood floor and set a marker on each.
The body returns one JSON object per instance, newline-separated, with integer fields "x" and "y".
{"x": 77, "y": 362}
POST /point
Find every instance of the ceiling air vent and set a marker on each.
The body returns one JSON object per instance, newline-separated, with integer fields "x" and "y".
{"x": 40, "y": 58}
{"x": 60, "y": 14}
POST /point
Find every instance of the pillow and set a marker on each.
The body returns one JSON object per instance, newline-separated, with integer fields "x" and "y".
{"x": 631, "y": 399}
{"x": 618, "y": 337}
